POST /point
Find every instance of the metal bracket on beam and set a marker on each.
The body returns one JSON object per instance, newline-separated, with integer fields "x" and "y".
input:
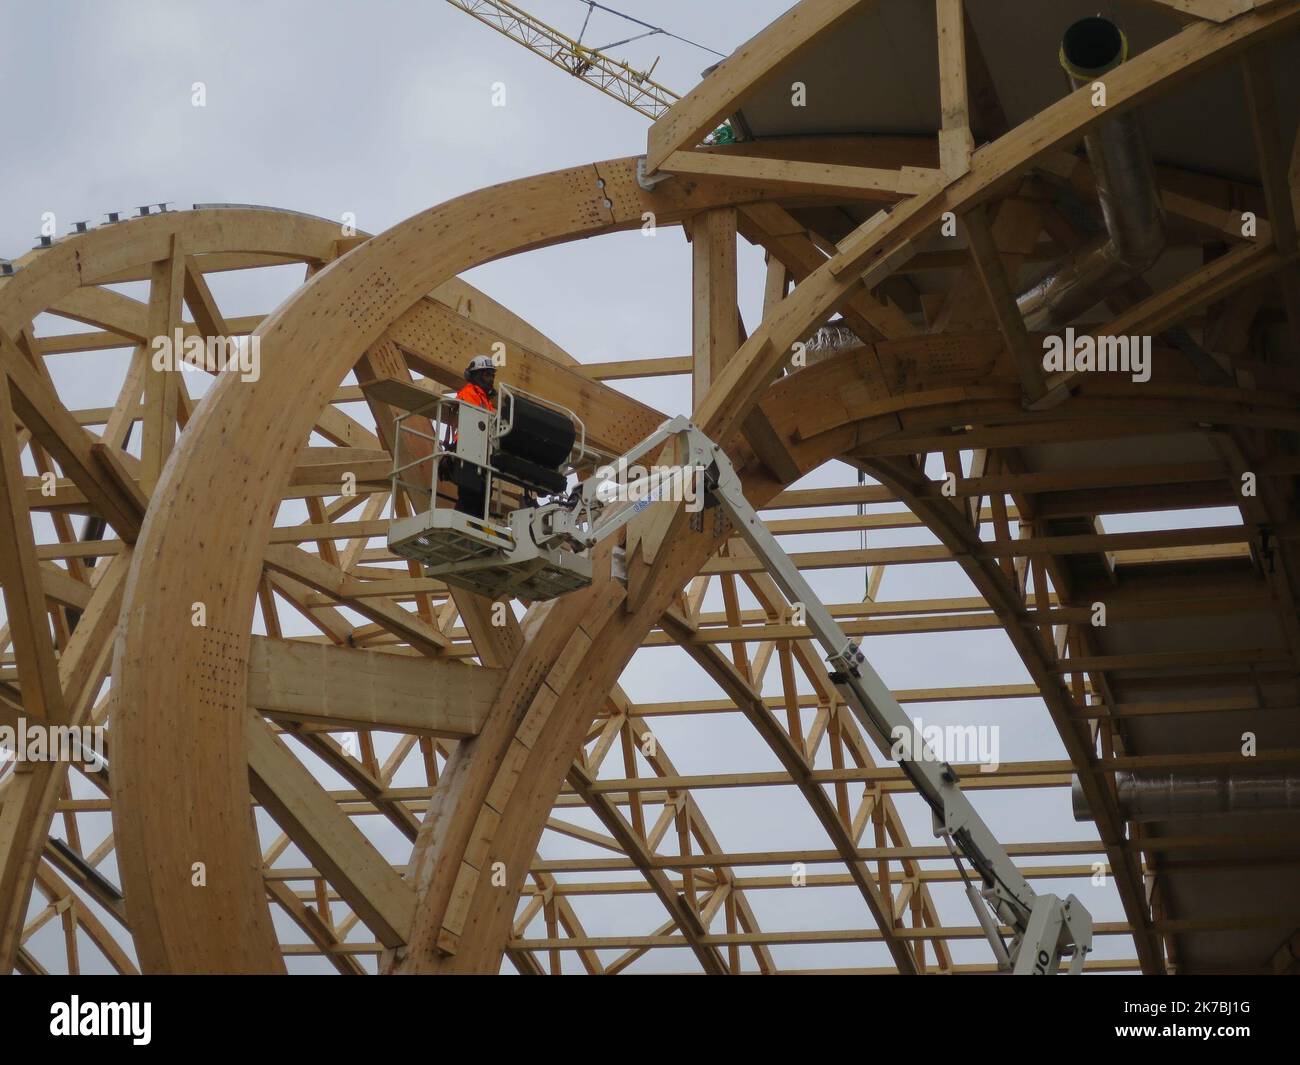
{"x": 648, "y": 183}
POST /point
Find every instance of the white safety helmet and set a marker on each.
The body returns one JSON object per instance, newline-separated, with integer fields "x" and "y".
{"x": 479, "y": 362}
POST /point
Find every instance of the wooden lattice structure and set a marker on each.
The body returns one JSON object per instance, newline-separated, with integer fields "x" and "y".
{"x": 401, "y": 704}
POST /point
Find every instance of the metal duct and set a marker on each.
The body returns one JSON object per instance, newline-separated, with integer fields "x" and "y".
{"x": 1169, "y": 796}
{"x": 1126, "y": 189}
{"x": 833, "y": 338}
{"x": 830, "y": 340}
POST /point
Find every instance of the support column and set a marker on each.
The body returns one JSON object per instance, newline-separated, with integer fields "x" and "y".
{"x": 715, "y": 318}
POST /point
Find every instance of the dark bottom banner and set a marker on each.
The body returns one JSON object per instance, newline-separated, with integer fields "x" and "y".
{"x": 257, "y": 1014}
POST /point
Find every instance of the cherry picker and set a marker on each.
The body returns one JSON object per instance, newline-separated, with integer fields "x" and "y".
{"x": 534, "y": 538}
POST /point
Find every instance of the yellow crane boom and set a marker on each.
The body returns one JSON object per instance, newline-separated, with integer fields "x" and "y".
{"x": 611, "y": 76}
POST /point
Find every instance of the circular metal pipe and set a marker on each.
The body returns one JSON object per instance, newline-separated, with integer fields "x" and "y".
{"x": 1126, "y": 190}
{"x": 1091, "y": 47}
{"x": 1170, "y": 796}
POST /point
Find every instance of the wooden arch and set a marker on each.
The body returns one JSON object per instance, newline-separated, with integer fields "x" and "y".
{"x": 340, "y": 314}
{"x": 435, "y": 334}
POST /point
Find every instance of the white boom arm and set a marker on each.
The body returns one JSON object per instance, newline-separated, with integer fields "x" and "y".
{"x": 1044, "y": 928}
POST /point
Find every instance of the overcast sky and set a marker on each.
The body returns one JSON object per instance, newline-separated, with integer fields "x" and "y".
{"x": 383, "y": 108}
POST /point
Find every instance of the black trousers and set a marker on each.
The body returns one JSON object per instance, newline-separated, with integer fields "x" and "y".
{"x": 471, "y": 494}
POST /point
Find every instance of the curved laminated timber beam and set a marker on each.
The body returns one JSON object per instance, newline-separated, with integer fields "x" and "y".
{"x": 572, "y": 203}
{"x": 204, "y": 716}
{"x": 295, "y": 684}
{"x": 300, "y": 684}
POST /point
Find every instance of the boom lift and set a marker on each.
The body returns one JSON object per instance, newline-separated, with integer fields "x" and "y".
{"x": 534, "y": 540}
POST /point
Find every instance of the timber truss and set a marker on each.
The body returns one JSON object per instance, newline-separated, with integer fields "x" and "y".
{"x": 206, "y": 579}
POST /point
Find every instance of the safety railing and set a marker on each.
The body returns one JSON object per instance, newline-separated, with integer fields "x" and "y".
{"x": 425, "y": 451}
{"x": 421, "y": 458}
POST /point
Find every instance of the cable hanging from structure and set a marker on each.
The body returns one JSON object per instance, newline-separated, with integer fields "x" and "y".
{"x": 651, "y": 30}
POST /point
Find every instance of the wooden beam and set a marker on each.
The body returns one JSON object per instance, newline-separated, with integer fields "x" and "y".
{"x": 715, "y": 318}
{"x": 784, "y": 237}
{"x": 624, "y": 369}
{"x": 23, "y": 586}
{"x": 42, "y": 695}
{"x": 955, "y": 141}
{"x": 1210, "y": 10}
{"x": 341, "y": 687}
{"x": 161, "y": 386}
{"x": 110, "y": 310}
{"x": 799, "y": 772}
{"x": 328, "y": 838}
{"x": 315, "y": 927}
{"x": 817, "y": 179}
{"x": 31, "y": 792}
{"x": 1220, "y": 277}
{"x": 315, "y": 572}
{"x": 993, "y": 276}
{"x": 435, "y": 341}
{"x": 771, "y": 449}
{"x": 1273, "y": 166}
{"x": 405, "y": 394}
{"x": 679, "y": 905}
{"x": 43, "y": 413}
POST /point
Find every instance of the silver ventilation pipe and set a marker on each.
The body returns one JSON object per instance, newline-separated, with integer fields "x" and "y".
{"x": 1170, "y": 796}
{"x": 832, "y": 338}
{"x": 1126, "y": 187}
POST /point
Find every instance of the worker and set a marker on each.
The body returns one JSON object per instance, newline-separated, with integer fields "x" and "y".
{"x": 478, "y": 390}
{"x": 480, "y": 377}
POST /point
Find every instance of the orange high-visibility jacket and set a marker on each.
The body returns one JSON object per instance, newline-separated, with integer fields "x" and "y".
{"x": 476, "y": 394}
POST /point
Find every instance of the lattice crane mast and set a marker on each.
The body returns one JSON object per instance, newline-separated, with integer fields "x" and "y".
{"x": 611, "y": 76}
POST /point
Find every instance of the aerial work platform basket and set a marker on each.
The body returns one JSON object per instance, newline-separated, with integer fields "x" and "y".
{"x": 501, "y": 462}
{"x": 467, "y": 553}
